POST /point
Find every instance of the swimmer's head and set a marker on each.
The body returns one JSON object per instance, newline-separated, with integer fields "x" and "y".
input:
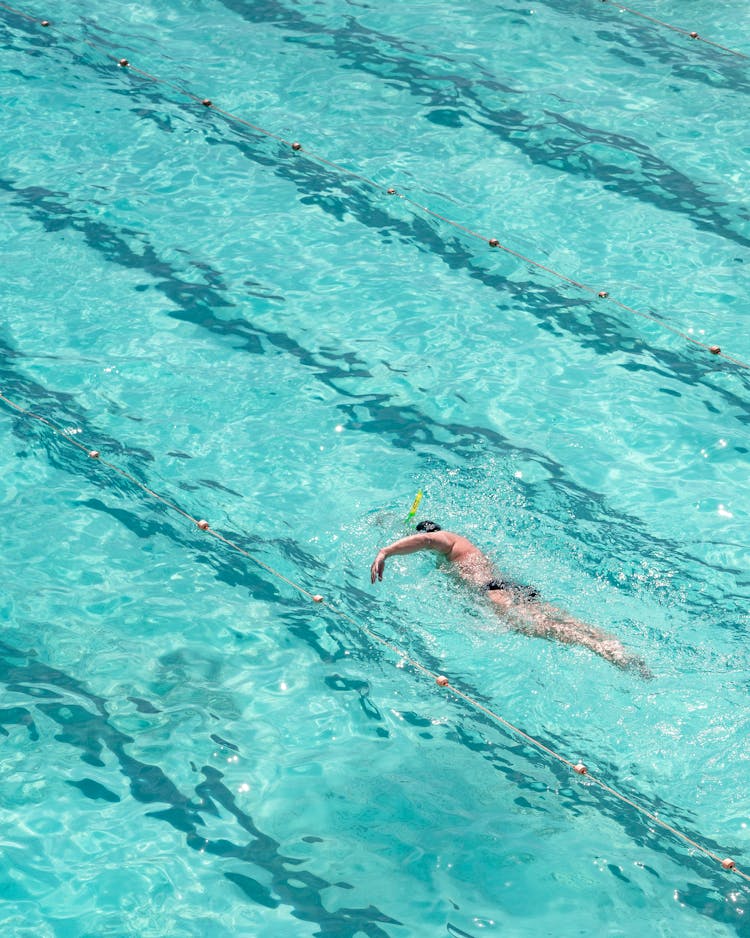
{"x": 428, "y": 527}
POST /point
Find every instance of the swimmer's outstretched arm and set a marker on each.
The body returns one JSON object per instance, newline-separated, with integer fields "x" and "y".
{"x": 441, "y": 541}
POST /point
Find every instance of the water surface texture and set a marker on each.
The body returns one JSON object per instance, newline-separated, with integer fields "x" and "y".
{"x": 188, "y": 744}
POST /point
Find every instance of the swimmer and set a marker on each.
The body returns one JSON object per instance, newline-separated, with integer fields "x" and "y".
{"x": 520, "y": 605}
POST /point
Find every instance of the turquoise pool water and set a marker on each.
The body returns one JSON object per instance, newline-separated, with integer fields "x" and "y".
{"x": 193, "y": 748}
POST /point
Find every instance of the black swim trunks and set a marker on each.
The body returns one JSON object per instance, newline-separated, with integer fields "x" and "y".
{"x": 528, "y": 593}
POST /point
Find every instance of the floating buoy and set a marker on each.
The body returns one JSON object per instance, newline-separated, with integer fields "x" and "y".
{"x": 93, "y": 454}
{"x": 603, "y": 294}
{"x": 715, "y": 349}
{"x": 729, "y": 864}
{"x": 296, "y": 146}
{"x": 581, "y": 769}
{"x": 442, "y": 680}
{"x": 206, "y": 102}
{"x": 123, "y": 63}
{"x": 494, "y": 243}
{"x": 203, "y": 525}
{"x": 694, "y": 36}
{"x": 317, "y": 598}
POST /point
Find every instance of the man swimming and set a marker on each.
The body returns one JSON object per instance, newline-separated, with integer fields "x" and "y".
{"x": 519, "y": 605}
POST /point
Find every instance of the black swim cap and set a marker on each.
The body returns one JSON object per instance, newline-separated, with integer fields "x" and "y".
{"x": 428, "y": 527}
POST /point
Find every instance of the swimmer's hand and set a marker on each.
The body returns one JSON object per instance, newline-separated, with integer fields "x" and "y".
{"x": 378, "y": 565}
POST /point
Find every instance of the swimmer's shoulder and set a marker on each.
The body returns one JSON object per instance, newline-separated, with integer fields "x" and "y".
{"x": 444, "y": 542}
{"x": 461, "y": 547}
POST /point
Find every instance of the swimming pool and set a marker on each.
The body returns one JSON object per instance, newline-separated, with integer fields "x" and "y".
{"x": 289, "y": 352}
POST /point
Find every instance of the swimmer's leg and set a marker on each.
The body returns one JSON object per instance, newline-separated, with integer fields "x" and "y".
{"x": 554, "y": 625}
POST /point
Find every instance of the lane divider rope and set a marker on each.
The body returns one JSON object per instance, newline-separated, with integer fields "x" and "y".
{"x": 297, "y": 147}
{"x": 675, "y": 29}
{"x": 726, "y": 863}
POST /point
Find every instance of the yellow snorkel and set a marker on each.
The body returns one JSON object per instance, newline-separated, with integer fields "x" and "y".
{"x": 413, "y": 510}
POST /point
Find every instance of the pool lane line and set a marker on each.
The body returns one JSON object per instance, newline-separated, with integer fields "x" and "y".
{"x": 726, "y": 863}
{"x": 297, "y": 147}
{"x": 676, "y": 29}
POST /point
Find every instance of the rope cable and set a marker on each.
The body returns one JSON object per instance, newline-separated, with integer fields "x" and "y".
{"x": 676, "y": 29}
{"x": 493, "y": 242}
{"x": 579, "y": 768}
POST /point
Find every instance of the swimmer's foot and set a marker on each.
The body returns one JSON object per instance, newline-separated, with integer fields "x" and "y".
{"x": 614, "y": 652}
{"x": 634, "y": 663}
